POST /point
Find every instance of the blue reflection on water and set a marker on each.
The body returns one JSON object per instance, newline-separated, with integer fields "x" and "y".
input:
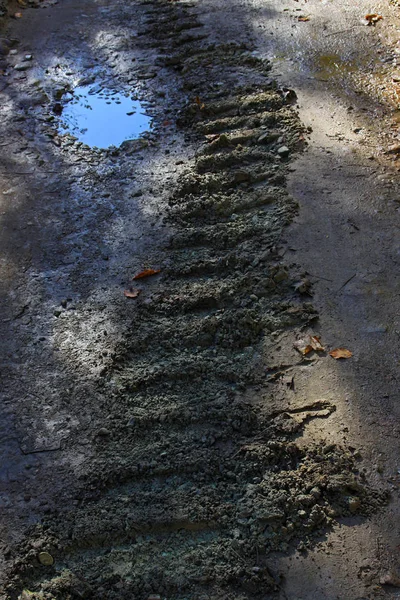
{"x": 102, "y": 117}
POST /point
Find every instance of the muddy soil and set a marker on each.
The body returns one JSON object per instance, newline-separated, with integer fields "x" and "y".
{"x": 180, "y": 444}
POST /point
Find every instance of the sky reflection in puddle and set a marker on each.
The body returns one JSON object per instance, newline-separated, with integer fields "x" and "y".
{"x": 101, "y": 117}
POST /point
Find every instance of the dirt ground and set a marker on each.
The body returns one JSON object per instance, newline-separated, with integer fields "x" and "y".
{"x": 199, "y": 441}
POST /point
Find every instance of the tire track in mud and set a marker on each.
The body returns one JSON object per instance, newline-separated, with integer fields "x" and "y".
{"x": 198, "y": 476}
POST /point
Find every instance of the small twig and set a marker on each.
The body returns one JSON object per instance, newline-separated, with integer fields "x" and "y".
{"x": 342, "y": 31}
{"x": 338, "y": 32}
{"x": 346, "y": 282}
{"x": 319, "y": 277}
{"x": 16, "y": 173}
{"x": 238, "y": 555}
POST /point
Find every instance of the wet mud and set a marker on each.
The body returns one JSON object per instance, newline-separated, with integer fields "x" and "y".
{"x": 158, "y": 448}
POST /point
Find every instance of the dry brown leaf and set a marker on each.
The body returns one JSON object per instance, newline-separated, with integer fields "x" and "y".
{"x": 303, "y": 19}
{"x": 199, "y": 103}
{"x": 147, "y": 273}
{"x": 308, "y": 344}
{"x": 303, "y": 346}
{"x": 393, "y": 149}
{"x": 131, "y": 293}
{"x": 373, "y": 18}
{"x": 341, "y": 353}
{"x": 315, "y": 342}
{"x": 18, "y": 15}
{"x": 21, "y": 2}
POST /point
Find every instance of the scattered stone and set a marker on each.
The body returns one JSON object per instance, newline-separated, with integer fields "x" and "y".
{"x": 45, "y": 559}
{"x": 103, "y": 432}
{"x": 354, "y": 504}
{"x": 394, "y": 149}
{"x": 281, "y": 275}
{"x": 57, "y": 108}
{"x": 241, "y": 176}
{"x": 283, "y": 151}
{"x": 268, "y": 137}
{"x": 390, "y": 579}
{"x": 22, "y": 66}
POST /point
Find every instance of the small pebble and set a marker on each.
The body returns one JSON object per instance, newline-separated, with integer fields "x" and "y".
{"x": 103, "y": 432}
{"x": 283, "y": 151}
{"x": 354, "y": 504}
{"x": 22, "y": 67}
{"x": 46, "y": 559}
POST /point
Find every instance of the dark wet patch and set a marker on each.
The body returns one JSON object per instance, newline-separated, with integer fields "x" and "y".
{"x": 101, "y": 117}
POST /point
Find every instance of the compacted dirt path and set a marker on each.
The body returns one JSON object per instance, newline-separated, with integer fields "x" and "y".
{"x": 197, "y": 440}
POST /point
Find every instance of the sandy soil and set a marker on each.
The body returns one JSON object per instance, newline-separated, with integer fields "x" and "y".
{"x": 178, "y": 445}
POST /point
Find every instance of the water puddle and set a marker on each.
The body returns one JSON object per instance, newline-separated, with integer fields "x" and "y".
{"x": 101, "y": 117}
{"x": 333, "y": 65}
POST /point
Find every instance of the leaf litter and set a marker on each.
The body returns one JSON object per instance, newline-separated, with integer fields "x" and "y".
{"x": 309, "y": 344}
{"x": 132, "y": 293}
{"x": 373, "y": 18}
{"x": 147, "y": 273}
{"x": 341, "y": 353}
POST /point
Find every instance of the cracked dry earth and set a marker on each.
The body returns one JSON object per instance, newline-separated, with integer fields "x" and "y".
{"x": 157, "y": 447}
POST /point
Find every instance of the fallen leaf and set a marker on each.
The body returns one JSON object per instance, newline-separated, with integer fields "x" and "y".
{"x": 308, "y": 344}
{"x": 341, "y": 353}
{"x": 18, "y": 15}
{"x": 147, "y": 273}
{"x": 394, "y": 149}
{"x": 131, "y": 293}
{"x": 199, "y": 103}
{"x": 21, "y": 2}
{"x": 373, "y": 18}
{"x": 315, "y": 342}
{"x": 303, "y": 346}
{"x": 303, "y": 19}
